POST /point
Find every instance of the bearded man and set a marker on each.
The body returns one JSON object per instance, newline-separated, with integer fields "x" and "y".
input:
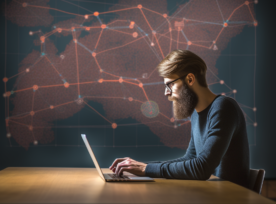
{"x": 218, "y": 144}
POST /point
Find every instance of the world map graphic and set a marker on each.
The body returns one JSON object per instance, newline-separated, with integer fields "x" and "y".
{"x": 113, "y": 62}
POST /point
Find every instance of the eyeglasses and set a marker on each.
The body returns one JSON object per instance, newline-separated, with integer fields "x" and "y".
{"x": 170, "y": 84}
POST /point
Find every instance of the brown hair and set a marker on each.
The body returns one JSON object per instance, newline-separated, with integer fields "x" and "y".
{"x": 183, "y": 62}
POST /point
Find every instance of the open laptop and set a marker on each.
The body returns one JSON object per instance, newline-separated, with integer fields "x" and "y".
{"x": 111, "y": 177}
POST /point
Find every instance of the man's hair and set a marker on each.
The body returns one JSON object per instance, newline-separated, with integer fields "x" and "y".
{"x": 181, "y": 63}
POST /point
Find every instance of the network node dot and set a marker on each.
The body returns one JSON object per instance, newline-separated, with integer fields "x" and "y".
{"x": 130, "y": 98}
{"x": 66, "y": 84}
{"x": 255, "y": 124}
{"x": 75, "y": 40}
{"x": 152, "y": 44}
{"x": 131, "y": 24}
{"x": 35, "y": 142}
{"x": 221, "y": 82}
{"x": 189, "y": 42}
{"x": 51, "y": 107}
{"x": 150, "y": 109}
{"x": 27, "y": 70}
{"x": 35, "y": 87}
{"x": 140, "y": 6}
{"x": 234, "y": 91}
{"x": 59, "y": 30}
{"x": 100, "y": 80}
{"x": 42, "y": 39}
{"x": 5, "y": 79}
{"x": 135, "y": 34}
{"x": 246, "y": 3}
{"x": 223, "y": 94}
{"x": 86, "y": 16}
{"x": 175, "y": 126}
{"x": 8, "y": 135}
{"x": 255, "y": 23}
{"x": 153, "y": 32}
{"x": 8, "y": 93}
{"x": 165, "y": 15}
{"x": 96, "y": 13}
{"x": 87, "y": 28}
{"x": 114, "y": 125}
{"x": 225, "y": 24}
{"x": 94, "y": 54}
{"x": 32, "y": 113}
{"x": 62, "y": 56}
{"x": 79, "y": 101}
{"x": 214, "y": 42}
{"x": 170, "y": 29}
{"x": 4, "y": 95}
{"x": 31, "y": 33}
{"x": 121, "y": 80}
{"x": 254, "y": 109}
{"x": 103, "y": 26}
{"x": 24, "y": 4}
{"x": 172, "y": 120}
{"x": 73, "y": 28}
{"x": 215, "y": 47}
{"x": 140, "y": 85}
{"x": 255, "y": 1}
{"x": 31, "y": 128}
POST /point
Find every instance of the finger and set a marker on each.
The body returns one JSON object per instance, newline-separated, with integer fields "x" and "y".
{"x": 125, "y": 163}
{"x": 116, "y": 161}
{"x": 126, "y": 169}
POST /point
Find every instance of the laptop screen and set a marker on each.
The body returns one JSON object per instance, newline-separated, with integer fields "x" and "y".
{"x": 92, "y": 155}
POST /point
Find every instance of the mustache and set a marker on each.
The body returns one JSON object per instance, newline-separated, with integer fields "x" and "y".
{"x": 172, "y": 98}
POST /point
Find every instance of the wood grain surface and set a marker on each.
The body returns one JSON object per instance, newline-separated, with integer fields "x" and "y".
{"x": 83, "y": 185}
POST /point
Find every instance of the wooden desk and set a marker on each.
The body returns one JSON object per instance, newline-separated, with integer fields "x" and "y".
{"x": 83, "y": 185}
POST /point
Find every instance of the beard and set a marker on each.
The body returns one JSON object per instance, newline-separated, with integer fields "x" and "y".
{"x": 184, "y": 106}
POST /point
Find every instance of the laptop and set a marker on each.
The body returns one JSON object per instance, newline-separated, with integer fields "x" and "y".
{"x": 111, "y": 176}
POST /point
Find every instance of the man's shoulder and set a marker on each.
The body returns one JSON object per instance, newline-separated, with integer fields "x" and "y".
{"x": 224, "y": 103}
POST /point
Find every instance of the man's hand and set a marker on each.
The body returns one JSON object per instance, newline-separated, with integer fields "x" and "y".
{"x": 129, "y": 165}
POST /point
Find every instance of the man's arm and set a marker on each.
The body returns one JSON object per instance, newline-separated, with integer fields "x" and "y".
{"x": 190, "y": 154}
{"x": 138, "y": 168}
{"x": 223, "y": 123}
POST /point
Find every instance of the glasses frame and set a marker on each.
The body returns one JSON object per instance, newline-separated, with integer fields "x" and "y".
{"x": 167, "y": 84}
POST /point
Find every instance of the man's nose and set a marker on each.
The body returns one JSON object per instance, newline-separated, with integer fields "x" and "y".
{"x": 167, "y": 92}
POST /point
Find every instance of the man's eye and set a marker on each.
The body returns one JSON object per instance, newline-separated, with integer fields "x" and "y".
{"x": 170, "y": 85}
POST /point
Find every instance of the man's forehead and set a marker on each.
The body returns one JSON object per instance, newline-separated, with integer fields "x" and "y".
{"x": 171, "y": 78}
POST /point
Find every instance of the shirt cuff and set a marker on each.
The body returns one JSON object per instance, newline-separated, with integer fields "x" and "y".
{"x": 153, "y": 170}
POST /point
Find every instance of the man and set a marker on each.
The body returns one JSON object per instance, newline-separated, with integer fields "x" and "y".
{"x": 218, "y": 144}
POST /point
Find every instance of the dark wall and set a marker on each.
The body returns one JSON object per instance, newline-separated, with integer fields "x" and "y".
{"x": 63, "y": 155}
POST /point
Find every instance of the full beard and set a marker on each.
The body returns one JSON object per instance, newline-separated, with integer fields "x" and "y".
{"x": 184, "y": 106}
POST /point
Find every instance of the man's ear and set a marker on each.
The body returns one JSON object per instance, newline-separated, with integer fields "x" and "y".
{"x": 191, "y": 79}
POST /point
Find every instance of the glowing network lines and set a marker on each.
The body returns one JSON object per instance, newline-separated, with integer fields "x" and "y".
{"x": 133, "y": 33}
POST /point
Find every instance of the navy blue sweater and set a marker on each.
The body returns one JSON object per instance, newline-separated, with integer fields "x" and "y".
{"x": 218, "y": 146}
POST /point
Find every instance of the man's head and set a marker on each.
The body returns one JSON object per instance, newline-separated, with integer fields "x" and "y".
{"x": 183, "y": 71}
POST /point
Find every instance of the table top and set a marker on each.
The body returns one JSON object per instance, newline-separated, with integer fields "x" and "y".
{"x": 84, "y": 185}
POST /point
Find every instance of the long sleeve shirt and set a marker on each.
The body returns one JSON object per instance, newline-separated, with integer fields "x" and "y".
{"x": 218, "y": 146}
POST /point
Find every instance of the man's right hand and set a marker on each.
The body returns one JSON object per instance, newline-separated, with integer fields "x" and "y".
{"x": 114, "y": 165}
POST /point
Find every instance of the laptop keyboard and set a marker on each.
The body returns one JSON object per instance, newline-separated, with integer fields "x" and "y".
{"x": 118, "y": 177}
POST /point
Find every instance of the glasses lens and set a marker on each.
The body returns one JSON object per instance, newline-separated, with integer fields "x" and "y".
{"x": 167, "y": 88}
